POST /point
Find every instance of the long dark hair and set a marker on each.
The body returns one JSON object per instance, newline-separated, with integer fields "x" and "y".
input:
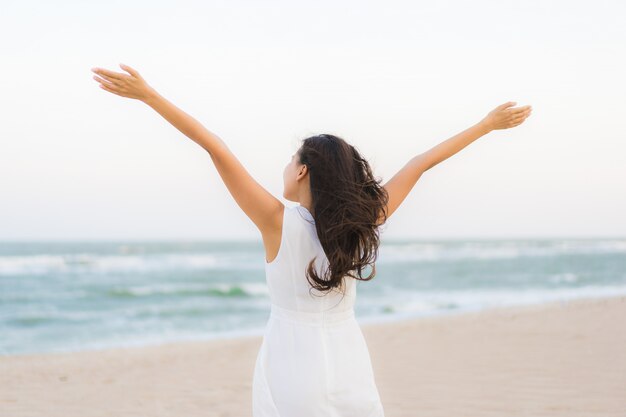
{"x": 347, "y": 202}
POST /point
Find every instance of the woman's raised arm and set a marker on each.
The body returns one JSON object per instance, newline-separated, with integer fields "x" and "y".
{"x": 502, "y": 117}
{"x": 399, "y": 186}
{"x": 260, "y": 206}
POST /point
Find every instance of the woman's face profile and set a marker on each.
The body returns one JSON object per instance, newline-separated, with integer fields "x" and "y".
{"x": 290, "y": 175}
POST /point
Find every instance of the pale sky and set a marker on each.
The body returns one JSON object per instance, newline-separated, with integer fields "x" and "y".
{"x": 392, "y": 78}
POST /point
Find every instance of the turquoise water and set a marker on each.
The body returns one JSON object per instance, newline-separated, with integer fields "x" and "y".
{"x": 57, "y": 297}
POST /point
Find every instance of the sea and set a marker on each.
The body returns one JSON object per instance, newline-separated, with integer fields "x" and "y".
{"x": 77, "y": 296}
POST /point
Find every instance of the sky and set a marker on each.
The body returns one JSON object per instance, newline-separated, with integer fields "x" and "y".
{"x": 393, "y": 78}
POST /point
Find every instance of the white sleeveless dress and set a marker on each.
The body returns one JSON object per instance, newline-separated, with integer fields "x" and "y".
{"x": 313, "y": 361}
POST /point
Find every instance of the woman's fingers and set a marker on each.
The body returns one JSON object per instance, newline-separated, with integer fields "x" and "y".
{"x": 114, "y": 81}
{"x": 520, "y": 110}
{"x": 521, "y": 114}
{"x": 108, "y": 86}
{"x": 111, "y": 90}
{"x": 518, "y": 118}
{"x": 130, "y": 70}
{"x": 104, "y": 81}
{"x": 109, "y": 74}
{"x": 123, "y": 85}
{"x": 504, "y": 116}
{"x": 506, "y": 105}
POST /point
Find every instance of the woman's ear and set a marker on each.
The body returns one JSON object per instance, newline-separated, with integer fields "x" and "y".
{"x": 303, "y": 171}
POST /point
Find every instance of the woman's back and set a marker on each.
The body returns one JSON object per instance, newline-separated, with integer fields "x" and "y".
{"x": 288, "y": 286}
{"x": 314, "y": 360}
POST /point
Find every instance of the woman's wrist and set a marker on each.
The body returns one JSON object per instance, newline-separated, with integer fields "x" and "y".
{"x": 151, "y": 97}
{"x": 484, "y": 126}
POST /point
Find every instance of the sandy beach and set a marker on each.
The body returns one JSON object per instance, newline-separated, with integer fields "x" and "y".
{"x": 557, "y": 359}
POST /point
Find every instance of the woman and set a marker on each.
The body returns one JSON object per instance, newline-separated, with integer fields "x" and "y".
{"x": 313, "y": 360}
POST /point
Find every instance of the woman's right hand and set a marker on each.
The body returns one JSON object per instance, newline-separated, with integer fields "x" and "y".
{"x": 504, "y": 117}
{"x": 131, "y": 85}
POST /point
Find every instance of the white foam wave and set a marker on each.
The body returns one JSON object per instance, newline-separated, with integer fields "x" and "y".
{"x": 437, "y": 251}
{"x": 45, "y": 264}
{"x": 407, "y": 303}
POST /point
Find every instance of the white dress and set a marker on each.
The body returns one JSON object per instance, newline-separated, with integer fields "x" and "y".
{"x": 313, "y": 361}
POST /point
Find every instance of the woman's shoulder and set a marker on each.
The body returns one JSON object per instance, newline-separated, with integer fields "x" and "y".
{"x": 303, "y": 213}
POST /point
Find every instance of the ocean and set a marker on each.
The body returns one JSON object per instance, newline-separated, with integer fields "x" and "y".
{"x": 73, "y": 296}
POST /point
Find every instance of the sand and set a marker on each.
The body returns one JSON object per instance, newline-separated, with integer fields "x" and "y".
{"x": 558, "y": 359}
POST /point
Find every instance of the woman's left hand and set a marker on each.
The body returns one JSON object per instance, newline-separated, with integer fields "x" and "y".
{"x": 506, "y": 117}
{"x": 124, "y": 85}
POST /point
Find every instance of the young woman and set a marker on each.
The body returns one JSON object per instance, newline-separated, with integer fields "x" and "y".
{"x": 313, "y": 361}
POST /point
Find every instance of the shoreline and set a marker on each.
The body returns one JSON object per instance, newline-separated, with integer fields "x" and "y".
{"x": 559, "y": 358}
{"x": 373, "y": 321}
